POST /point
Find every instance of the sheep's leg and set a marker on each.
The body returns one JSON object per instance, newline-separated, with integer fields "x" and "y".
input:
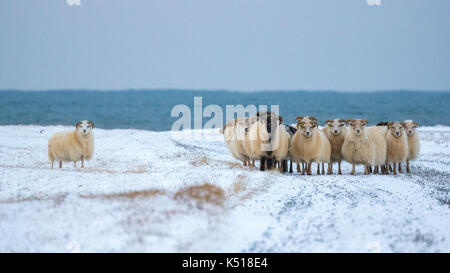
{"x": 285, "y": 166}
{"x": 390, "y": 167}
{"x": 318, "y": 168}
{"x": 290, "y": 167}
{"x": 407, "y": 166}
{"x": 60, "y": 164}
{"x": 323, "y": 168}
{"x": 309, "y": 168}
{"x": 52, "y": 164}
{"x": 375, "y": 170}
{"x": 330, "y": 168}
{"x": 299, "y": 170}
{"x": 395, "y": 168}
{"x": 244, "y": 163}
{"x": 400, "y": 167}
{"x": 353, "y": 169}
{"x": 262, "y": 162}
{"x": 369, "y": 169}
{"x": 366, "y": 169}
{"x": 74, "y": 164}
{"x": 339, "y": 167}
{"x": 82, "y": 162}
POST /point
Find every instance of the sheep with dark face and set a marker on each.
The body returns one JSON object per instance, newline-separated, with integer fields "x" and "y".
{"x": 413, "y": 141}
{"x": 335, "y": 131}
{"x": 310, "y": 145}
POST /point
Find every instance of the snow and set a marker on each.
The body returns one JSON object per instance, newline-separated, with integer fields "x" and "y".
{"x": 138, "y": 194}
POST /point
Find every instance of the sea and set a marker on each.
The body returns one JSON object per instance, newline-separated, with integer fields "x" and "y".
{"x": 151, "y": 109}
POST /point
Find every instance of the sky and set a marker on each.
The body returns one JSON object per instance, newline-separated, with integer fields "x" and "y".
{"x": 225, "y": 44}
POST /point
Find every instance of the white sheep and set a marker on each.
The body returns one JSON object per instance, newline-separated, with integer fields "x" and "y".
{"x": 310, "y": 145}
{"x": 335, "y": 131}
{"x": 234, "y": 134}
{"x": 397, "y": 145}
{"x": 258, "y": 143}
{"x": 357, "y": 148}
{"x": 413, "y": 141}
{"x": 377, "y": 135}
{"x": 72, "y": 146}
{"x": 281, "y": 138}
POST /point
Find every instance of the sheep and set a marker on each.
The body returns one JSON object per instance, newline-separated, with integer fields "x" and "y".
{"x": 397, "y": 145}
{"x": 357, "y": 148}
{"x": 377, "y": 135}
{"x": 335, "y": 132}
{"x": 259, "y": 143}
{"x": 413, "y": 141}
{"x": 310, "y": 144}
{"x": 72, "y": 146}
{"x": 234, "y": 134}
{"x": 281, "y": 139}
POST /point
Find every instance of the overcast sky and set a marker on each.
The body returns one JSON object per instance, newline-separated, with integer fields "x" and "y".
{"x": 225, "y": 44}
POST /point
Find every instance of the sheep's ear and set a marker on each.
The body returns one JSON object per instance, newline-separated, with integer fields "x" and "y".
{"x": 78, "y": 124}
{"x": 91, "y": 123}
{"x": 389, "y": 125}
{"x": 366, "y": 122}
{"x": 313, "y": 118}
{"x": 343, "y": 120}
{"x": 415, "y": 124}
{"x": 348, "y": 121}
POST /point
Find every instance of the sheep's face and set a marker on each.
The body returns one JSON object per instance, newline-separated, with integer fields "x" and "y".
{"x": 410, "y": 127}
{"x": 84, "y": 127}
{"x": 336, "y": 126}
{"x": 396, "y": 128}
{"x": 307, "y": 126}
{"x": 358, "y": 126}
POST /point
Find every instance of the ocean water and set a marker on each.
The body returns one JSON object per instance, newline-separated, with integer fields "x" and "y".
{"x": 151, "y": 110}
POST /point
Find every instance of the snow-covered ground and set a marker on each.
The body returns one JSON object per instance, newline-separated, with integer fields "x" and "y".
{"x": 164, "y": 192}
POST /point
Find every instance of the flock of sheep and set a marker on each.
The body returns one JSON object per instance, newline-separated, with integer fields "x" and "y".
{"x": 381, "y": 149}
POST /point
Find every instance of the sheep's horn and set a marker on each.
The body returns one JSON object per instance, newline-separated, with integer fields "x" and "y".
{"x": 313, "y": 118}
{"x": 415, "y": 123}
{"x": 342, "y": 120}
{"x": 365, "y": 120}
{"x": 298, "y": 118}
{"x": 349, "y": 120}
{"x": 91, "y": 123}
{"x": 78, "y": 124}
{"x": 328, "y": 120}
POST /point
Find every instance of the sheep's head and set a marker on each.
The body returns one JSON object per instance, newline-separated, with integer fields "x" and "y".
{"x": 336, "y": 126}
{"x": 270, "y": 121}
{"x": 84, "y": 127}
{"x": 410, "y": 127}
{"x": 358, "y": 125}
{"x": 307, "y": 125}
{"x": 395, "y": 128}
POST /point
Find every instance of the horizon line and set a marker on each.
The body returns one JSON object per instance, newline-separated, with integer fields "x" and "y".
{"x": 216, "y": 90}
